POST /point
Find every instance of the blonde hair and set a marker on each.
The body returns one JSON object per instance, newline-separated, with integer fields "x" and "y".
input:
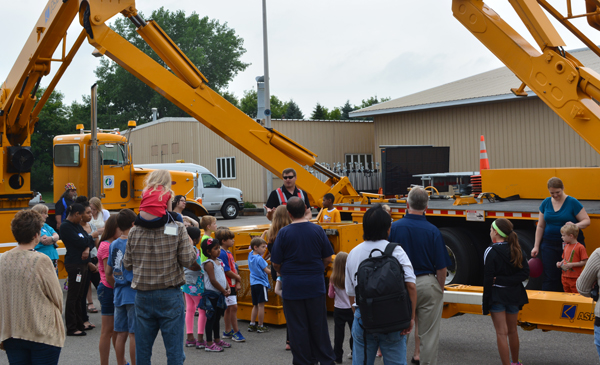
{"x": 158, "y": 178}
{"x": 281, "y": 218}
{"x": 96, "y": 203}
{"x": 338, "y": 275}
{"x": 40, "y": 208}
{"x": 387, "y": 208}
{"x": 571, "y": 229}
{"x": 206, "y": 221}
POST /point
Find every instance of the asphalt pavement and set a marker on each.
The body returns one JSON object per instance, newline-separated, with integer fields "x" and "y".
{"x": 467, "y": 339}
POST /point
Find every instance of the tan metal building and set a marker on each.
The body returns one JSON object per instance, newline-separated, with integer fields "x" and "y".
{"x": 520, "y": 132}
{"x": 170, "y": 139}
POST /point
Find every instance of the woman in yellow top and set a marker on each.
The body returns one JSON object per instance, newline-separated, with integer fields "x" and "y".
{"x": 31, "y": 325}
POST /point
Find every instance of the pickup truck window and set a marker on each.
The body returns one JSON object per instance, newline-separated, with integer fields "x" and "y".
{"x": 209, "y": 181}
{"x": 66, "y": 155}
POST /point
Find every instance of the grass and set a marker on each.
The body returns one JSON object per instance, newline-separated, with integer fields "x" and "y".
{"x": 47, "y": 196}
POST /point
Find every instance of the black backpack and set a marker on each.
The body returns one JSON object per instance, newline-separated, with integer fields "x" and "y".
{"x": 381, "y": 294}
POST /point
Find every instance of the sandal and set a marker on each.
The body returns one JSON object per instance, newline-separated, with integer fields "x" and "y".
{"x": 92, "y": 309}
{"x": 413, "y": 361}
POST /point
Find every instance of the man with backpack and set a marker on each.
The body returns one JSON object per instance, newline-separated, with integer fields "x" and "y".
{"x": 423, "y": 243}
{"x": 381, "y": 285}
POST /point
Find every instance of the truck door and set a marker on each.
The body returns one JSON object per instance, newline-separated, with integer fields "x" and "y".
{"x": 212, "y": 194}
{"x": 116, "y": 174}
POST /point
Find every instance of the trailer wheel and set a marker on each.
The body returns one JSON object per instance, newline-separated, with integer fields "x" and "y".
{"x": 527, "y": 241}
{"x": 463, "y": 256}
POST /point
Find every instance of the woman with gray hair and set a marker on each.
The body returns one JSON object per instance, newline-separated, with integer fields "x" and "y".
{"x": 49, "y": 237}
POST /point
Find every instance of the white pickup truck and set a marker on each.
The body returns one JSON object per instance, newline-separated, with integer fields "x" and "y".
{"x": 216, "y": 197}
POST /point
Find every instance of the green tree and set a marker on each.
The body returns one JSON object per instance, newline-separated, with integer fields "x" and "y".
{"x": 371, "y": 101}
{"x": 335, "y": 114}
{"x": 249, "y": 103}
{"x": 320, "y": 113}
{"x": 230, "y": 97}
{"x": 278, "y": 107}
{"x": 346, "y": 109}
{"x": 53, "y": 120}
{"x": 212, "y": 47}
{"x": 293, "y": 111}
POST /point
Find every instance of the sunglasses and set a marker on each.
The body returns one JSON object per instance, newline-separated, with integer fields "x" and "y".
{"x": 288, "y": 177}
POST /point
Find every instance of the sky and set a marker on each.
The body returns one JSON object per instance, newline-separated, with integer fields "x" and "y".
{"x": 319, "y": 51}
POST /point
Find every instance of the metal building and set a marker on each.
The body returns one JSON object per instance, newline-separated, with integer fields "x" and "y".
{"x": 520, "y": 132}
{"x": 170, "y": 139}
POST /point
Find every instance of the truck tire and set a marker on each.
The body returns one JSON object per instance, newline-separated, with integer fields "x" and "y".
{"x": 463, "y": 256}
{"x": 527, "y": 241}
{"x": 229, "y": 210}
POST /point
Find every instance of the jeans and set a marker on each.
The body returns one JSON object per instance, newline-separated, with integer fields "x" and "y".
{"x": 596, "y": 338}
{"x": 393, "y": 345}
{"x": 23, "y": 352}
{"x": 159, "y": 310}
{"x": 551, "y": 252}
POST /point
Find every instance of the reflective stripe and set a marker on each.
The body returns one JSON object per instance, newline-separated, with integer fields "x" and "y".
{"x": 283, "y": 199}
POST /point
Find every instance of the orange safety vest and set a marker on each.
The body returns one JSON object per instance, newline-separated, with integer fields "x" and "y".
{"x": 283, "y": 199}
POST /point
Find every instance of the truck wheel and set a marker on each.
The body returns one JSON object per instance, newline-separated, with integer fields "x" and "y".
{"x": 230, "y": 210}
{"x": 463, "y": 258}
{"x": 527, "y": 241}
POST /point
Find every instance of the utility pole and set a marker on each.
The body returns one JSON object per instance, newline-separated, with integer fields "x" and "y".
{"x": 267, "y": 94}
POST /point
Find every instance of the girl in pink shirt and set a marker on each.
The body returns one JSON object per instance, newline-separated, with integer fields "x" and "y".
{"x": 156, "y": 195}
{"x": 342, "y": 311}
{"x": 105, "y": 288}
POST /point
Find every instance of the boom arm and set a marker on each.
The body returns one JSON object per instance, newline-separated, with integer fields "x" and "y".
{"x": 557, "y": 77}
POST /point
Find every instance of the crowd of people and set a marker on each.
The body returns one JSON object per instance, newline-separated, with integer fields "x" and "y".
{"x": 155, "y": 271}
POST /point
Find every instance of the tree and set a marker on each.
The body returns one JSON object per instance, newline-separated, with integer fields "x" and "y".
{"x": 320, "y": 113}
{"x": 230, "y": 97}
{"x": 346, "y": 109}
{"x": 212, "y": 47}
{"x": 278, "y": 107}
{"x": 293, "y": 111}
{"x": 53, "y": 120}
{"x": 249, "y": 103}
{"x": 335, "y": 114}
{"x": 371, "y": 101}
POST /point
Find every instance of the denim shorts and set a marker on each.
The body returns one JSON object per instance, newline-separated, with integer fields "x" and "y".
{"x": 510, "y": 309}
{"x": 106, "y": 298}
{"x": 125, "y": 318}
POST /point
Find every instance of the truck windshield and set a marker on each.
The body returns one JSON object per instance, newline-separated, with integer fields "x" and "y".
{"x": 113, "y": 154}
{"x": 66, "y": 155}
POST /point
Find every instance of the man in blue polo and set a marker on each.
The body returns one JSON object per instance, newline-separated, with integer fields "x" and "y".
{"x": 423, "y": 244}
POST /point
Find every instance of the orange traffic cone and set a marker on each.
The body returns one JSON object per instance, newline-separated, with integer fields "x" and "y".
{"x": 484, "y": 163}
{"x": 380, "y": 192}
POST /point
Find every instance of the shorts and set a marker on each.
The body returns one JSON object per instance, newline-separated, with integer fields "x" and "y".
{"x": 106, "y": 298}
{"x": 231, "y": 300}
{"x": 125, "y": 318}
{"x": 510, "y": 309}
{"x": 259, "y": 294}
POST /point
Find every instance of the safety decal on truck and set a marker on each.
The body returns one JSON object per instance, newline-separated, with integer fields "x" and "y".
{"x": 568, "y": 312}
{"x": 109, "y": 182}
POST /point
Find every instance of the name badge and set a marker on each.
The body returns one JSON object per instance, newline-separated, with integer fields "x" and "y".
{"x": 78, "y": 278}
{"x": 171, "y": 229}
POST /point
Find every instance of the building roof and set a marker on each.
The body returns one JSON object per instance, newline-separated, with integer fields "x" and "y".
{"x": 488, "y": 86}
{"x": 190, "y": 120}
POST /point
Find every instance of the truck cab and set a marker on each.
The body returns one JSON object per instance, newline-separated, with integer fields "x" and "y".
{"x": 214, "y": 195}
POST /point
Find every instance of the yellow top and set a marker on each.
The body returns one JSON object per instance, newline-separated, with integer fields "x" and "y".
{"x": 331, "y": 216}
{"x": 31, "y": 299}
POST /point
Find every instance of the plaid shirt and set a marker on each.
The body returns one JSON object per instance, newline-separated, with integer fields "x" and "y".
{"x": 156, "y": 259}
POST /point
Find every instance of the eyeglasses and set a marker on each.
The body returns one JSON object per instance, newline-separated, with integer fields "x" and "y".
{"x": 288, "y": 177}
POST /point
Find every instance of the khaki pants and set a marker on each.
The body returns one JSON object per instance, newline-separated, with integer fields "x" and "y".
{"x": 430, "y": 301}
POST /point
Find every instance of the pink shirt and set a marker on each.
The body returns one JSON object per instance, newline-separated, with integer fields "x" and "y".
{"x": 153, "y": 203}
{"x": 341, "y": 297}
{"x": 103, "y": 254}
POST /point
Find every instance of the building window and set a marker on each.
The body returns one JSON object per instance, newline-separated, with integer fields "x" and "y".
{"x": 365, "y": 159}
{"x": 164, "y": 149}
{"x": 175, "y": 148}
{"x": 154, "y": 150}
{"x": 226, "y": 167}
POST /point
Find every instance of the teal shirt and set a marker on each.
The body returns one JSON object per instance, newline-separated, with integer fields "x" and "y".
{"x": 555, "y": 220}
{"x": 49, "y": 250}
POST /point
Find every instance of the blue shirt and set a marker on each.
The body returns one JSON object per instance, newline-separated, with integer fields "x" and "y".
{"x": 555, "y": 220}
{"x": 123, "y": 293}
{"x": 225, "y": 258}
{"x": 257, "y": 265}
{"x": 49, "y": 250}
{"x": 300, "y": 249}
{"x": 422, "y": 242}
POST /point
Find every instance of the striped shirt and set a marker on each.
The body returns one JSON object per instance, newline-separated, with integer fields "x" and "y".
{"x": 157, "y": 259}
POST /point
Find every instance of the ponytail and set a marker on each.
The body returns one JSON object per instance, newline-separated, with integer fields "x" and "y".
{"x": 516, "y": 255}
{"x": 75, "y": 208}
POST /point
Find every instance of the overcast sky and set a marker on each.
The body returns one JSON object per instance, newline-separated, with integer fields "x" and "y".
{"x": 319, "y": 51}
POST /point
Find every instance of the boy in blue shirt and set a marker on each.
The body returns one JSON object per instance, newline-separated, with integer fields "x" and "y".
{"x": 124, "y": 295}
{"x": 259, "y": 282}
